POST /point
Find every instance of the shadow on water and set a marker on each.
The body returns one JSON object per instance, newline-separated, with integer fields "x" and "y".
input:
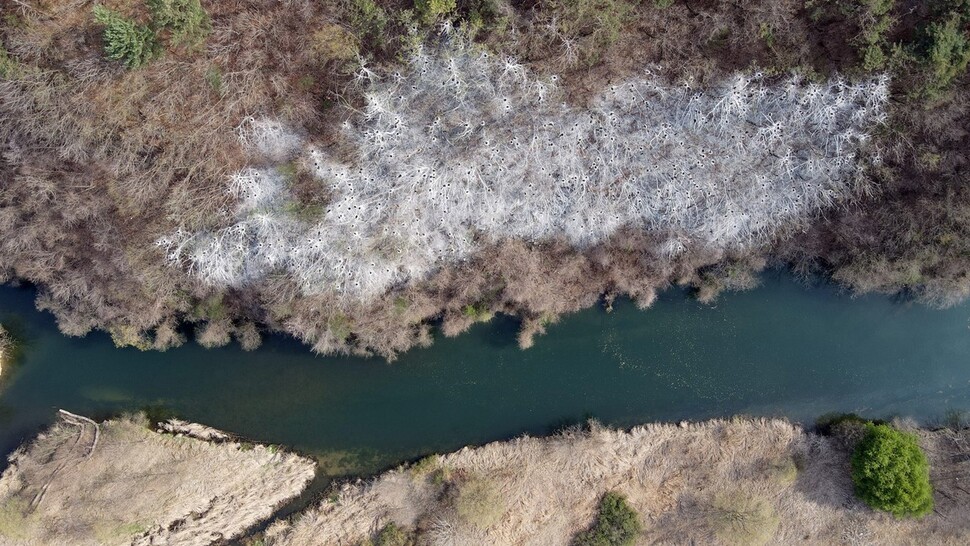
{"x": 499, "y": 333}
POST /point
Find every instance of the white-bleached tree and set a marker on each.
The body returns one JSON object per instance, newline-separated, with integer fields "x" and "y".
{"x": 461, "y": 147}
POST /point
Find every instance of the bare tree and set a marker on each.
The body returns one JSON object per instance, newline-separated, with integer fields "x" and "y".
{"x": 461, "y": 148}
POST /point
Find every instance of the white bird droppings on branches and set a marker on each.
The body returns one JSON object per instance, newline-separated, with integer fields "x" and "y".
{"x": 270, "y": 138}
{"x": 463, "y": 147}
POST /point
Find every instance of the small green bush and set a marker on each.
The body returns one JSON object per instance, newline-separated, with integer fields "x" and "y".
{"x": 369, "y": 19}
{"x": 946, "y": 53}
{"x": 125, "y": 40}
{"x": 185, "y": 19}
{"x": 426, "y": 466}
{"x": 890, "y": 472}
{"x": 487, "y": 15}
{"x": 429, "y": 10}
{"x": 392, "y": 535}
{"x": 213, "y": 77}
{"x": 9, "y": 68}
{"x": 479, "y": 312}
{"x": 826, "y": 424}
{"x": 767, "y": 33}
{"x": 616, "y": 524}
{"x": 875, "y": 22}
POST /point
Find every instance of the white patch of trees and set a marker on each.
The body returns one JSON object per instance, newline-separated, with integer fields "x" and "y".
{"x": 461, "y": 147}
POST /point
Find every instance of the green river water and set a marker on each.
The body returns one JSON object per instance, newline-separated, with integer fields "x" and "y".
{"x": 782, "y": 349}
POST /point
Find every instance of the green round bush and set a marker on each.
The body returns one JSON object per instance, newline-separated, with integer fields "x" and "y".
{"x": 890, "y": 472}
{"x": 617, "y": 524}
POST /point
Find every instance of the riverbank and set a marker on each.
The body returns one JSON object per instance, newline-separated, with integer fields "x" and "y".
{"x": 120, "y": 482}
{"x": 739, "y": 481}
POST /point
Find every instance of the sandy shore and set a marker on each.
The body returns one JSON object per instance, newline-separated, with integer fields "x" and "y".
{"x": 738, "y": 481}
{"x": 118, "y": 482}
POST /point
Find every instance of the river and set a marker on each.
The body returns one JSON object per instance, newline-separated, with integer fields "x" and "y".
{"x": 783, "y": 349}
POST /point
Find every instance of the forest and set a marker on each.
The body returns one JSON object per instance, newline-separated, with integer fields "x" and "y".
{"x": 361, "y": 173}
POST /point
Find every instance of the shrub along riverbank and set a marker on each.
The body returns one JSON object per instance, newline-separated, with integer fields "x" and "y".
{"x": 121, "y": 127}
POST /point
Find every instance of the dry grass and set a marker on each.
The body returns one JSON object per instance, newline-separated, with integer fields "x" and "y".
{"x": 721, "y": 482}
{"x": 117, "y": 482}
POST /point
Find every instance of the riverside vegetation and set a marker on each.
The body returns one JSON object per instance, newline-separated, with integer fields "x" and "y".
{"x": 741, "y": 481}
{"x": 350, "y": 173}
{"x": 6, "y": 349}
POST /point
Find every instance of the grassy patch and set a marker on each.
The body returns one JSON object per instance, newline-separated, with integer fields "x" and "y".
{"x": 211, "y": 308}
{"x": 340, "y": 326}
{"x": 782, "y": 471}
{"x": 333, "y": 43}
{"x": 14, "y": 521}
{"x": 392, "y": 535}
{"x": 430, "y": 468}
{"x": 479, "y": 503}
{"x": 742, "y": 519}
{"x": 115, "y": 533}
{"x": 767, "y": 34}
{"x": 304, "y": 212}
